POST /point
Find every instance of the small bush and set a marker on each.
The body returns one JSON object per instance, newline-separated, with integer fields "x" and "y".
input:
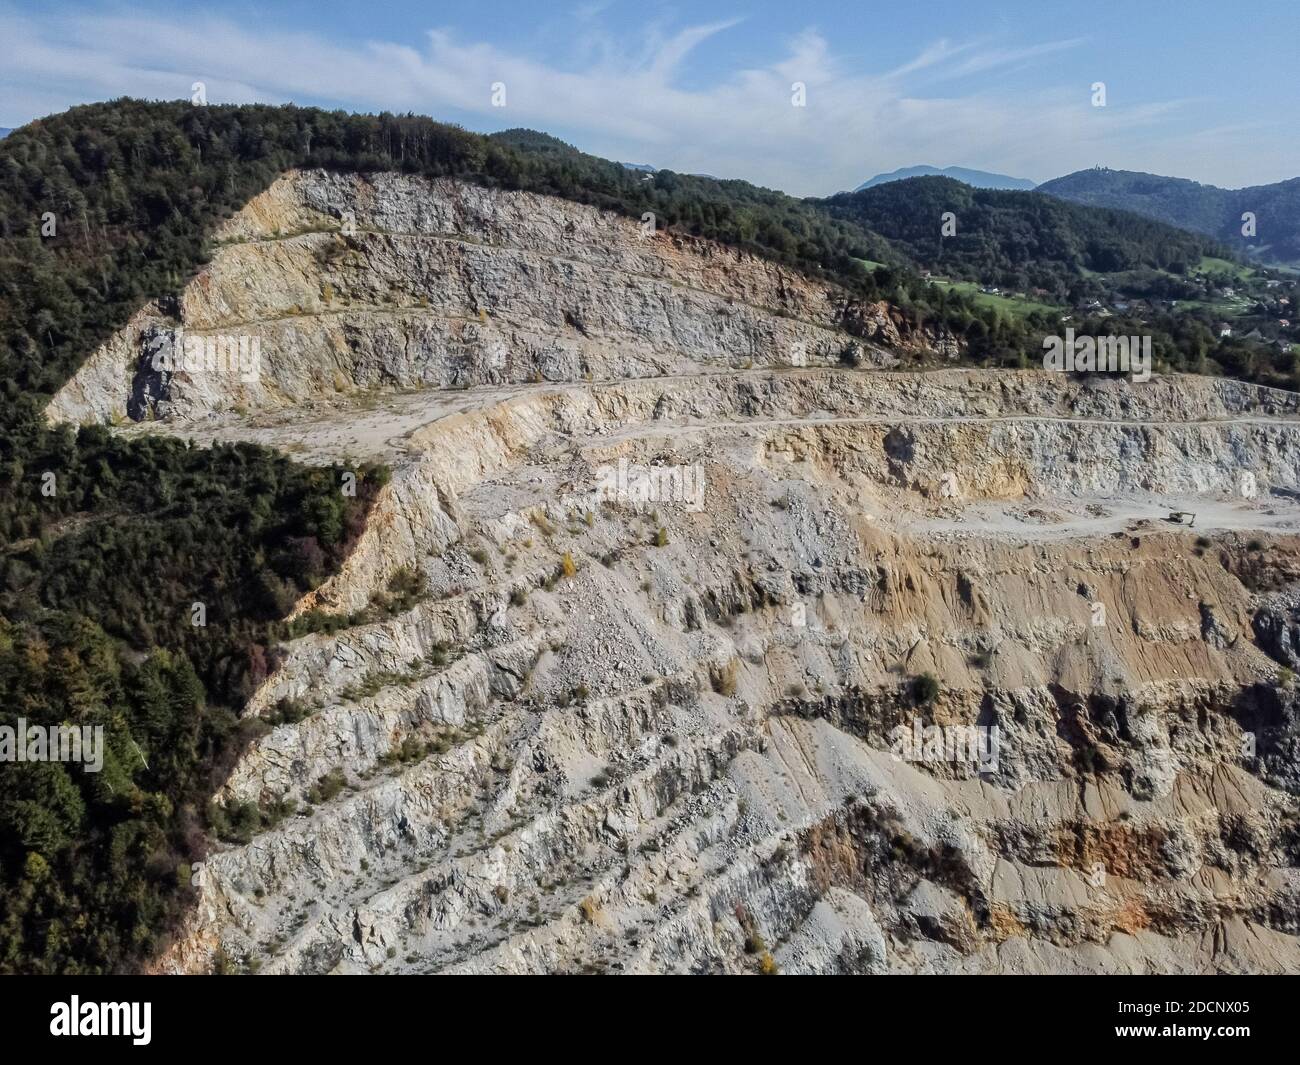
{"x": 925, "y": 689}
{"x": 327, "y": 786}
{"x": 288, "y": 712}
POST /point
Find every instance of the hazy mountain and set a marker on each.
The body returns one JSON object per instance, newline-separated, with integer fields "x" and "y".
{"x": 979, "y": 179}
{"x": 1191, "y": 205}
{"x": 4, "y": 132}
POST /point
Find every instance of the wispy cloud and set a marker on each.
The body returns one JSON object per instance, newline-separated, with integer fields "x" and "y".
{"x": 629, "y": 99}
{"x": 992, "y": 58}
{"x": 933, "y": 54}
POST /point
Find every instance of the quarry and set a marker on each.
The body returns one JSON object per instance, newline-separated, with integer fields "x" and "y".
{"x": 689, "y": 531}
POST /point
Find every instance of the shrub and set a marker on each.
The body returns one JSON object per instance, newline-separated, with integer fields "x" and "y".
{"x": 288, "y": 712}
{"x": 327, "y": 787}
{"x": 925, "y": 689}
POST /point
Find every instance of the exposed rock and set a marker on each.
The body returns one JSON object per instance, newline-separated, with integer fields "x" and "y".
{"x": 674, "y": 734}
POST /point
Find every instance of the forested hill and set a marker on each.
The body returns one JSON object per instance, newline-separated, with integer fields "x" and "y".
{"x": 1018, "y": 239}
{"x": 106, "y": 544}
{"x": 1204, "y": 208}
{"x": 531, "y": 140}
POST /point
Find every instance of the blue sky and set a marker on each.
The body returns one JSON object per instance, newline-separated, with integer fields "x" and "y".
{"x": 1206, "y": 90}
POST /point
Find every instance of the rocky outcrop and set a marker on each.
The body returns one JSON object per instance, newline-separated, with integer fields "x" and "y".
{"x": 343, "y": 283}
{"x": 1277, "y": 628}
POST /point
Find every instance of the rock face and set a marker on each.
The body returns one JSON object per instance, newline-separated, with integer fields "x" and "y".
{"x": 346, "y": 284}
{"x": 733, "y": 654}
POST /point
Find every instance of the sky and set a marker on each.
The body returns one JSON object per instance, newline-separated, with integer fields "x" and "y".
{"x": 1197, "y": 89}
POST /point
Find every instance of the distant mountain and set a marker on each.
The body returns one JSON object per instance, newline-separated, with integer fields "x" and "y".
{"x": 1190, "y": 205}
{"x": 1020, "y": 239}
{"x": 979, "y": 179}
{"x": 4, "y": 132}
{"x": 644, "y": 167}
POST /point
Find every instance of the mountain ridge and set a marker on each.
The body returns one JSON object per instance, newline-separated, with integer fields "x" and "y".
{"x": 1191, "y": 205}
{"x": 978, "y": 179}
